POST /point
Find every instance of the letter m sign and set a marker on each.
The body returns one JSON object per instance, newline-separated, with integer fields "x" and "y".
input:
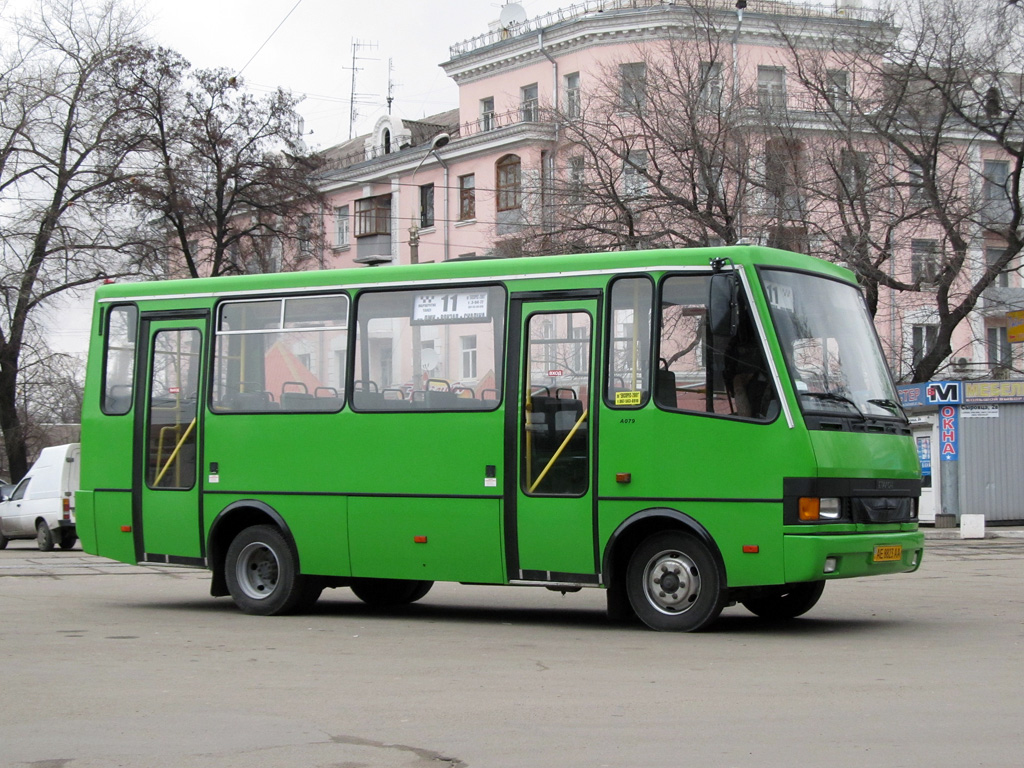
{"x": 946, "y": 392}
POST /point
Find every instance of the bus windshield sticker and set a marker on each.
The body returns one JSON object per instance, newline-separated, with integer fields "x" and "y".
{"x": 779, "y": 295}
{"x": 450, "y": 307}
{"x": 628, "y": 398}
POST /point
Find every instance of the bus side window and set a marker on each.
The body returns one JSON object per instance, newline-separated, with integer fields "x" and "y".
{"x": 281, "y": 355}
{"x": 704, "y": 373}
{"x": 119, "y": 360}
{"x": 629, "y": 343}
{"x": 429, "y": 349}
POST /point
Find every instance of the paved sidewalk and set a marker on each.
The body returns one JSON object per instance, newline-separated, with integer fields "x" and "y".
{"x": 991, "y": 532}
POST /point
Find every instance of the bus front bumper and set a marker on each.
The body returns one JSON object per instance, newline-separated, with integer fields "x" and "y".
{"x": 812, "y": 557}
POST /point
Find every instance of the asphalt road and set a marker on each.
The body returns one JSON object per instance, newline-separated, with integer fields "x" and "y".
{"x": 112, "y": 665}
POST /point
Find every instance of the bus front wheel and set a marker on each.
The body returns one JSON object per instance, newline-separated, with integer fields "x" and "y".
{"x": 262, "y": 572}
{"x": 673, "y": 583}
{"x": 786, "y": 601}
{"x": 385, "y": 592}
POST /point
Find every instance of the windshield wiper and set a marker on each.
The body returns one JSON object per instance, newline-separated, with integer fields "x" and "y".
{"x": 833, "y": 397}
{"x": 890, "y": 405}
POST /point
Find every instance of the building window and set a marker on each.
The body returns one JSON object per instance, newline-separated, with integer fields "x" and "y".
{"x": 427, "y": 205}
{"x": 509, "y": 183}
{"x": 853, "y": 167}
{"x": 373, "y": 216}
{"x": 992, "y": 255}
{"x": 916, "y": 173}
{"x": 838, "y": 92}
{"x": 576, "y": 179}
{"x": 572, "y": 95}
{"x": 304, "y": 233}
{"x": 341, "y": 227}
{"x": 468, "y": 345}
{"x": 487, "y": 114}
{"x": 995, "y": 198}
{"x": 529, "y": 104}
{"x": 924, "y": 339}
{"x": 784, "y": 172}
{"x": 771, "y": 87}
{"x": 1000, "y": 354}
{"x": 711, "y": 84}
{"x": 634, "y": 174}
{"x": 924, "y": 262}
{"x": 633, "y": 86}
{"x": 467, "y": 197}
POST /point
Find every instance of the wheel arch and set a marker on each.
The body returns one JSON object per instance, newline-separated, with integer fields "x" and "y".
{"x": 230, "y": 521}
{"x": 638, "y": 526}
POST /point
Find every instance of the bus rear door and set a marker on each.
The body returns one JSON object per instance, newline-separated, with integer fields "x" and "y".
{"x": 549, "y": 524}
{"x": 165, "y": 506}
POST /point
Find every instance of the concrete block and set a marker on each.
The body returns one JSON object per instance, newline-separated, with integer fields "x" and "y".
{"x": 972, "y": 526}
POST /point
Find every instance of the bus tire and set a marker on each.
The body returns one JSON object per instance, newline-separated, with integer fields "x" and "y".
{"x": 262, "y": 572}
{"x": 388, "y": 592}
{"x": 674, "y": 584}
{"x": 786, "y": 601}
{"x": 44, "y": 537}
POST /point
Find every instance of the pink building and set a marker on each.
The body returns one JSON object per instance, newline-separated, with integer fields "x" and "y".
{"x": 552, "y": 126}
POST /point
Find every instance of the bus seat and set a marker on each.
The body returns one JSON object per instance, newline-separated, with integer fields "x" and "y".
{"x": 297, "y": 401}
{"x": 665, "y": 393}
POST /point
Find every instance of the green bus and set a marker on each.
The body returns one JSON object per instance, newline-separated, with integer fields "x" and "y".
{"x": 685, "y": 429}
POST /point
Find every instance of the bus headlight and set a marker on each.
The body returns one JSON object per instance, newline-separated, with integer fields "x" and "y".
{"x": 813, "y": 508}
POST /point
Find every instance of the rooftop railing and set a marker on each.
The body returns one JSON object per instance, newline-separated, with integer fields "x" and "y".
{"x": 841, "y": 9}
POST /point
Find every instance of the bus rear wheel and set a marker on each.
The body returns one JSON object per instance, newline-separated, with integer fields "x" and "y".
{"x": 673, "y": 583}
{"x": 786, "y": 601}
{"x": 262, "y": 572}
{"x": 386, "y": 592}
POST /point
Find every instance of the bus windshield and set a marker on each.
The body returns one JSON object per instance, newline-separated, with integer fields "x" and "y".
{"x": 830, "y": 346}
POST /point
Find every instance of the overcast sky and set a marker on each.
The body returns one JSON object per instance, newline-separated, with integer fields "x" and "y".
{"x": 311, "y": 53}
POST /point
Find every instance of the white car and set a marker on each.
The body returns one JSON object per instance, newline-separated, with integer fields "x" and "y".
{"x": 42, "y": 505}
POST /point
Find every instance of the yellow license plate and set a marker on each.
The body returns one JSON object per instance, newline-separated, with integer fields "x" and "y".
{"x": 888, "y": 553}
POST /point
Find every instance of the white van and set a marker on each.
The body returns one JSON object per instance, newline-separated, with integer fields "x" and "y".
{"x": 42, "y": 505}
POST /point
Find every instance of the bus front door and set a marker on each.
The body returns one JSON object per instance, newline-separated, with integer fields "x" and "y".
{"x": 165, "y": 505}
{"x": 550, "y": 524}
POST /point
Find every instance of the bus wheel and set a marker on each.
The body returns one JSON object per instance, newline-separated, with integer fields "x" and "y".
{"x": 44, "y": 537}
{"x": 261, "y": 572}
{"x": 385, "y": 592}
{"x": 673, "y": 583}
{"x": 786, "y": 601}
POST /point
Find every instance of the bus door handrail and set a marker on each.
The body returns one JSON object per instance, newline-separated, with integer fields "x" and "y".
{"x": 174, "y": 454}
{"x": 554, "y": 457}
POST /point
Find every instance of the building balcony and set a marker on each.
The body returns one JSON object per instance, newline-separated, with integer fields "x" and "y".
{"x": 997, "y": 300}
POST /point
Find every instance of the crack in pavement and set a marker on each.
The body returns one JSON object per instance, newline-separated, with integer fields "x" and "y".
{"x": 424, "y": 754}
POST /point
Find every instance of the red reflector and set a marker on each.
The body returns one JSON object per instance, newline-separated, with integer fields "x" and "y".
{"x": 420, "y": 539}
{"x": 126, "y": 529}
{"x": 623, "y": 477}
{"x": 751, "y": 549}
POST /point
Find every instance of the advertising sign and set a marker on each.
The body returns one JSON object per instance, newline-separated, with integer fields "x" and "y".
{"x": 949, "y": 426}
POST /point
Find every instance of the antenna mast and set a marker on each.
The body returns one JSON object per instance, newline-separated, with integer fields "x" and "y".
{"x": 357, "y": 45}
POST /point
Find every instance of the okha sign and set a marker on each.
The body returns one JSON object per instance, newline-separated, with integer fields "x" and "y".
{"x": 949, "y": 426}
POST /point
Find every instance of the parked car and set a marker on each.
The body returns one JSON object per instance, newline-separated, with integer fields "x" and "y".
{"x": 42, "y": 505}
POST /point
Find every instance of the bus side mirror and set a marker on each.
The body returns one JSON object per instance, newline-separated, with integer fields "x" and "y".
{"x": 724, "y": 304}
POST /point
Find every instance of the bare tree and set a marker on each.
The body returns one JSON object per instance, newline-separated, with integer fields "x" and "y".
{"x": 658, "y": 154}
{"x": 926, "y": 150}
{"x": 229, "y": 177}
{"x": 67, "y": 134}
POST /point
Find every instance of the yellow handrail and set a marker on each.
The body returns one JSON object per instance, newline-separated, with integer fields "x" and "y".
{"x": 174, "y": 453}
{"x": 558, "y": 453}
